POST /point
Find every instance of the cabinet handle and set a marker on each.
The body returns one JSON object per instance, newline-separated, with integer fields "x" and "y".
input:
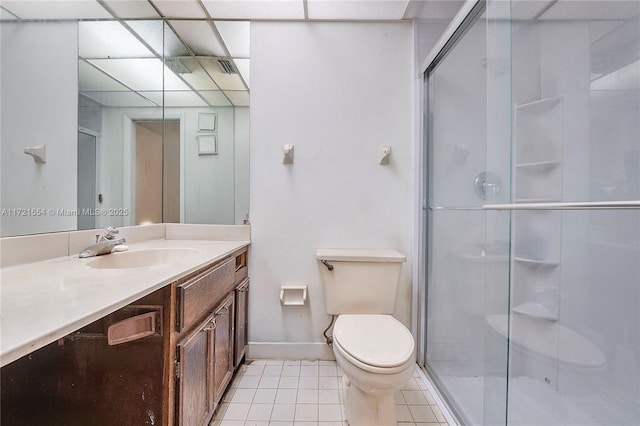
{"x": 212, "y": 325}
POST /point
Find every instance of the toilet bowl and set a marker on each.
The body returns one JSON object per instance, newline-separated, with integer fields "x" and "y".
{"x": 376, "y": 354}
{"x": 374, "y": 350}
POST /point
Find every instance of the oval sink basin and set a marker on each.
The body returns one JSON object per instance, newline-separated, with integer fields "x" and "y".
{"x": 142, "y": 258}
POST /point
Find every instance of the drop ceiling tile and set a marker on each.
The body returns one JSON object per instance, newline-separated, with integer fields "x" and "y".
{"x": 151, "y": 32}
{"x": 224, "y": 81}
{"x": 154, "y": 96}
{"x": 357, "y": 9}
{"x": 244, "y": 67}
{"x": 184, "y": 98}
{"x": 199, "y": 36}
{"x": 236, "y": 35}
{"x": 215, "y": 98}
{"x": 586, "y": 9}
{"x": 255, "y": 9}
{"x": 140, "y": 74}
{"x": 64, "y": 9}
{"x": 128, "y": 9}
{"x": 91, "y": 79}
{"x": 197, "y": 78}
{"x": 119, "y": 99}
{"x": 229, "y": 81}
{"x": 104, "y": 39}
{"x": 238, "y": 97}
{"x": 180, "y": 8}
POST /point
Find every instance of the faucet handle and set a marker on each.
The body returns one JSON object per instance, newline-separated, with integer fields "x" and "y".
{"x": 110, "y": 232}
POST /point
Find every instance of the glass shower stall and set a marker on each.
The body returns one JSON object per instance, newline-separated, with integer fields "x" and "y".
{"x": 532, "y": 219}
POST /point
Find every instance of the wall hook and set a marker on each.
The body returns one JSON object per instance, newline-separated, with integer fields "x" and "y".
{"x": 39, "y": 153}
{"x": 287, "y": 151}
{"x": 384, "y": 152}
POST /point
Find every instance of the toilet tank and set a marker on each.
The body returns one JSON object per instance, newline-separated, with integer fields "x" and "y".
{"x": 362, "y": 281}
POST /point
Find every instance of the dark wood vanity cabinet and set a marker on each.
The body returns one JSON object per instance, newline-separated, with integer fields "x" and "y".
{"x": 164, "y": 360}
{"x": 195, "y": 374}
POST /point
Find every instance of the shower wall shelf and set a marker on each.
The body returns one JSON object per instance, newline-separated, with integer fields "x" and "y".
{"x": 540, "y": 105}
{"x": 535, "y": 262}
{"x": 535, "y": 310}
{"x": 539, "y": 165}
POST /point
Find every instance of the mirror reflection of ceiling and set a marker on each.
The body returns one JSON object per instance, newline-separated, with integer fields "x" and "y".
{"x": 206, "y": 63}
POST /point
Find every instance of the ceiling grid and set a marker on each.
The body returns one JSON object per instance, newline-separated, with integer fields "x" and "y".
{"x": 196, "y": 34}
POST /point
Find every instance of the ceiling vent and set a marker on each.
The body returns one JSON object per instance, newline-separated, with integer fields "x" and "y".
{"x": 227, "y": 66}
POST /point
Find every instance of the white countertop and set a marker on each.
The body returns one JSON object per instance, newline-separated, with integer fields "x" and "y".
{"x": 44, "y": 301}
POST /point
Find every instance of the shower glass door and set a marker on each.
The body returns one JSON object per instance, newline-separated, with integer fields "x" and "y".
{"x": 533, "y": 219}
{"x": 468, "y": 110}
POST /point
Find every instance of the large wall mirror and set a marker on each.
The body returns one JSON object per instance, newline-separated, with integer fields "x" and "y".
{"x": 136, "y": 121}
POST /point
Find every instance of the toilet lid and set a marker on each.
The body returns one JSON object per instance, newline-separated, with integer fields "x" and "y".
{"x": 376, "y": 340}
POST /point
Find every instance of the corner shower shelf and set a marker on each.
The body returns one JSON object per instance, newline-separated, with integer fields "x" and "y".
{"x": 535, "y": 262}
{"x": 539, "y": 165}
{"x": 535, "y": 310}
{"x": 538, "y": 179}
{"x": 540, "y": 104}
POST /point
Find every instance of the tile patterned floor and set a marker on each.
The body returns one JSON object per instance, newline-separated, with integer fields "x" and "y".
{"x": 307, "y": 393}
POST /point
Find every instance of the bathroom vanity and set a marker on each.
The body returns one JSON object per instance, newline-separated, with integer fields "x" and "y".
{"x": 164, "y": 358}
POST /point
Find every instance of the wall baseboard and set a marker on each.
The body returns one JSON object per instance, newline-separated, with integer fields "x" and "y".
{"x": 287, "y": 350}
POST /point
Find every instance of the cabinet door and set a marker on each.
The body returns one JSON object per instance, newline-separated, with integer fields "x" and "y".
{"x": 242, "y": 304}
{"x": 196, "y": 373}
{"x": 223, "y": 349}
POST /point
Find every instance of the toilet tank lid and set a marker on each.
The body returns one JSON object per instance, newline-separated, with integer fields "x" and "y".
{"x": 360, "y": 255}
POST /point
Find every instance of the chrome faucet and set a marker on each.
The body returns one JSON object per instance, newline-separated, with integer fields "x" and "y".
{"x": 104, "y": 243}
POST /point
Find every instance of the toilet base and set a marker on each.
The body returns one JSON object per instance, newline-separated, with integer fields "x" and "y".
{"x": 364, "y": 409}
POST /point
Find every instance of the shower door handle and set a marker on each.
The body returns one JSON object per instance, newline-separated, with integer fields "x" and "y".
{"x": 588, "y": 205}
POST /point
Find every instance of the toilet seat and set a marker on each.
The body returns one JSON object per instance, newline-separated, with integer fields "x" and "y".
{"x": 375, "y": 343}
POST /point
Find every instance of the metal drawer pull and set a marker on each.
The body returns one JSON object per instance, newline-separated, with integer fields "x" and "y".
{"x": 131, "y": 329}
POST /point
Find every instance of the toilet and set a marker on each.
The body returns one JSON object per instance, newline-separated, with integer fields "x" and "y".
{"x": 374, "y": 350}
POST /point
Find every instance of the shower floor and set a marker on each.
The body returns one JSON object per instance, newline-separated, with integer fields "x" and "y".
{"x": 530, "y": 402}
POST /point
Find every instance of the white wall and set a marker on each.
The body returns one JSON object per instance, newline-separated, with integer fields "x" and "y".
{"x": 39, "y": 106}
{"x": 336, "y": 91}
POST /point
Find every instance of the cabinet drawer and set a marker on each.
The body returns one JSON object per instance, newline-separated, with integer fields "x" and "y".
{"x": 198, "y": 297}
{"x": 241, "y": 267}
{"x": 241, "y": 274}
